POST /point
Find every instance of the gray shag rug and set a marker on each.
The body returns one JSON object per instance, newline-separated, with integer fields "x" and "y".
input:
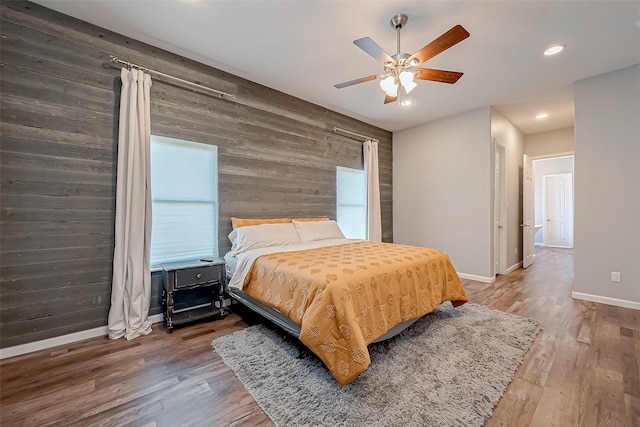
{"x": 448, "y": 369}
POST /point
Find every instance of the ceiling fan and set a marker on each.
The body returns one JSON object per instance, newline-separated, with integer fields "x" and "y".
{"x": 401, "y": 69}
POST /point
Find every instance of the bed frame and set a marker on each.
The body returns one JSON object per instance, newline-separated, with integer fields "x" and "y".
{"x": 289, "y": 325}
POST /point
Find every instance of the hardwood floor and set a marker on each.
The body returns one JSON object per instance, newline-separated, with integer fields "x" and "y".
{"x": 583, "y": 369}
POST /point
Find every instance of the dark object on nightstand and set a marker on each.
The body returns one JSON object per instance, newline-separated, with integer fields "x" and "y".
{"x": 192, "y": 290}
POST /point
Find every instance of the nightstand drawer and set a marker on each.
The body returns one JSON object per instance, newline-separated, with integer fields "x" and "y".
{"x": 198, "y": 275}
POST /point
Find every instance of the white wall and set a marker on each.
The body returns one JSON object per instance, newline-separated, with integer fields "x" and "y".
{"x": 550, "y": 143}
{"x": 507, "y": 135}
{"x": 542, "y": 167}
{"x": 442, "y": 189}
{"x": 607, "y": 178}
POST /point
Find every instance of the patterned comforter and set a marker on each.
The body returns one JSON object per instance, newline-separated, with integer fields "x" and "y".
{"x": 346, "y": 296}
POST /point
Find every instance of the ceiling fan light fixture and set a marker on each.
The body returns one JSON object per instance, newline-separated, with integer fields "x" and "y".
{"x": 406, "y": 78}
{"x": 389, "y": 86}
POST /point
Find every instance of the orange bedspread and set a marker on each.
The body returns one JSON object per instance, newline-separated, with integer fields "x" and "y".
{"x": 346, "y": 296}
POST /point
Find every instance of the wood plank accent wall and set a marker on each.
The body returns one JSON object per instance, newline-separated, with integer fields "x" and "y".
{"x": 59, "y": 118}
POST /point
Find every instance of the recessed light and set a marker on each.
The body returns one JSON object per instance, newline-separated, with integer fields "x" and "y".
{"x": 542, "y": 116}
{"x": 554, "y": 50}
{"x": 405, "y": 103}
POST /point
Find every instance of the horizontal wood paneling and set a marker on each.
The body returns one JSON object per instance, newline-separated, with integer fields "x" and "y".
{"x": 70, "y": 254}
{"x": 59, "y": 111}
{"x": 49, "y": 282}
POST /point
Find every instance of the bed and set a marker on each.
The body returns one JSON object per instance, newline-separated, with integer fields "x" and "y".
{"x": 336, "y": 295}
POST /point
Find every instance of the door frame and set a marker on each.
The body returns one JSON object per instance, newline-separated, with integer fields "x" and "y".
{"x": 499, "y": 209}
{"x": 528, "y": 205}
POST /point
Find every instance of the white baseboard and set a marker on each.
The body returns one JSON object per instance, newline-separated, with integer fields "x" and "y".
{"x": 606, "y": 300}
{"x": 477, "y": 278}
{"x": 486, "y": 279}
{"x": 63, "y": 339}
{"x": 157, "y": 318}
{"x": 514, "y": 267}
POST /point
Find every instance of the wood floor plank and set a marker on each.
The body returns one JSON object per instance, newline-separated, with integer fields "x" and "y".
{"x": 606, "y": 391}
{"x": 49, "y": 402}
{"x": 582, "y": 370}
{"x": 513, "y": 412}
{"x": 632, "y": 410}
{"x": 629, "y": 339}
{"x": 584, "y": 336}
{"x": 539, "y": 360}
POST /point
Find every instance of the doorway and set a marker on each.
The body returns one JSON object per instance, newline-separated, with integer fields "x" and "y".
{"x": 554, "y": 201}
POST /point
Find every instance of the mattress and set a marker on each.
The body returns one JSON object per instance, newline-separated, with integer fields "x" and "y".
{"x": 231, "y": 262}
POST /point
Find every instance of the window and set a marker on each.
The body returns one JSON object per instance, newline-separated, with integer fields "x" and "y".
{"x": 184, "y": 195}
{"x": 352, "y": 202}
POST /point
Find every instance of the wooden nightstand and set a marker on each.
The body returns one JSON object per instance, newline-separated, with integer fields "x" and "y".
{"x": 192, "y": 290}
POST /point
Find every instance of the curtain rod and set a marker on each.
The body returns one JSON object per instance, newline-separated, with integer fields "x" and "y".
{"x": 139, "y": 67}
{"x": 337, "y": 129}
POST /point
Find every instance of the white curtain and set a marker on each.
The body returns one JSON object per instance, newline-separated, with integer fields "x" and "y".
{"x": 374, "y": 221}
{"x": 131, "y": 286}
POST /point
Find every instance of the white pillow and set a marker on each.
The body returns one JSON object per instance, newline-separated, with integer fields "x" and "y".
{"x": 318, "y": 230}
{"x": 262, "y": 236}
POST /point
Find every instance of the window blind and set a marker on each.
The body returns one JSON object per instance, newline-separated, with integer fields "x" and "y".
{"x": 184, "y": 194}
{"x": 351, "y": 207}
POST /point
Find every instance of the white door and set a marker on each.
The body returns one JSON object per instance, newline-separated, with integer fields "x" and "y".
{"x": 558, "y": 210}
{"x": 528, "y": 212}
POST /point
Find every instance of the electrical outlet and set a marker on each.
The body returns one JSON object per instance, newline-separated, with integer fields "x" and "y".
{"x": 615, "y": 276}
{"x": 515, "y": 251}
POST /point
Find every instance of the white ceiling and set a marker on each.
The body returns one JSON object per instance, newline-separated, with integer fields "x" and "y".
{"x": 303, "y": 48}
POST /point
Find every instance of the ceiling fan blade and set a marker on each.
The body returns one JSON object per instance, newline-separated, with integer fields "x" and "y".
{"x": 388, "y": 99}
{"x": 442, "y": 43}
{"x": 355, "y": 82}
{"x": 373, "y": 50}
{"x": 438, "y": 75}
